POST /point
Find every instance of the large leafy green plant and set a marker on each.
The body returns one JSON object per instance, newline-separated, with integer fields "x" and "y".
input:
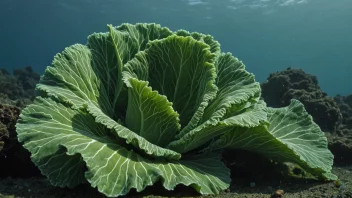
{"x": 141, "y": 103}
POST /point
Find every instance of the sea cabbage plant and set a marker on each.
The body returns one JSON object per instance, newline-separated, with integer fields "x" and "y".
{"x": 141, "y": 103}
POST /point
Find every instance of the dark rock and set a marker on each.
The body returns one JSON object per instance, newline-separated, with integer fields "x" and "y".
{"x": 16, "y": 91}
{"x": 333, "y": 115}
{"x": 27, "y": 78}
{"x": 20, "y": 103}
{"x": 10, "y": 86}
{"x": 19, "y": 85}
{"x": 345, "y": 105}
{"x": 14, "y": 159}
{"x": 342, "y": 149}
{"x": 4, "y": 72}
{"x": 283, "y": 86}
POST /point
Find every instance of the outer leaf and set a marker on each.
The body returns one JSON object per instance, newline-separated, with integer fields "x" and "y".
{"x": 179, "y": 68}
{"x": 141, "y": 34}
{"x": 150, "y": 114}
{"x": 93, "y": 72}
{"x": 43, "y": 127}
{"x": 69, "y": 147}
{"x": 206, "y": 173}
{"x": 71, "y": 77}
{"x": 292, "y": 136}
{"x": 86, "y": 82}
{"x": 250, "y": 117}
{"x": 207, "y": 39}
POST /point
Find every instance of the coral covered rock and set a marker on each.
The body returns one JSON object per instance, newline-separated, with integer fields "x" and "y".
{"x": 16, "y": 91}
{"x": 19, "y": 85}
{"x": 20, "y": 103}
{"x": 27, "y": 79}
{"x": 9, "y": 85}
{"x": 343, "y": 143}
{"x": 333, "y": 115}
{"x": 341, "y": 146}
{"x": 283, "y": 86}
{"x": 345, "y": 105}
{"x": 14, "y": 159}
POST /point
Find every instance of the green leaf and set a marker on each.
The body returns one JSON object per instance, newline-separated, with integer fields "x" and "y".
{"x": 181, "y": 69}
{"x": 237, "y": 90}
{"x": 70, "y": 148}
{"x": 207, "y": 39}
{"x": 215, "y": 49}
{"x": 250, "y": 117}
{"x": 71, "y": 77}
{"x": 92, "y": 73}
{"x": 292, "y": 136}
{"x": 82, "y": 74}
{"x": 44, "y": 127}
{"x": 205, "y": 173}
{"x": 150, "y": 114}
{"x": 128, "y": 40}
{"x": 236, "y": 87}
{"x": 76, "y": 81}
{"x": 131, "y": 137}
{"x": 140, "y": 34}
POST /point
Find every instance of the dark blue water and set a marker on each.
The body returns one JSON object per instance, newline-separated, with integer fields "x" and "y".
{"x": 267, "y": 35}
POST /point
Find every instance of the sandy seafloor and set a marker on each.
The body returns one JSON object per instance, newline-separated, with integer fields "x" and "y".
{"x": 40, "y": 187}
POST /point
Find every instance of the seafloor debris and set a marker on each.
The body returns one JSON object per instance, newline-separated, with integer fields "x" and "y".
{"x": 277, "y": 194}
{"x": 16, "y": 91}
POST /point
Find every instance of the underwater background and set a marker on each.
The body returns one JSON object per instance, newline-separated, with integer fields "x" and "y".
{"x": 267, "y": 35}
{"x": 297, "y": 49}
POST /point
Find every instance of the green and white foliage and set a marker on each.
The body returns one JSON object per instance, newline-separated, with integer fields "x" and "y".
{"x": 141, "y": 104}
